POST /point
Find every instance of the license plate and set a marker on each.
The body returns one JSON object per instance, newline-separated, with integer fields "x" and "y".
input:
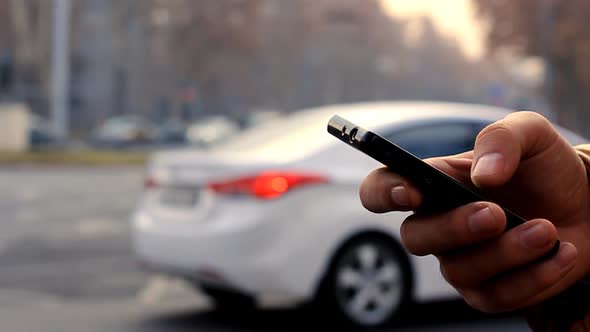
{"x": 179, "y": 197}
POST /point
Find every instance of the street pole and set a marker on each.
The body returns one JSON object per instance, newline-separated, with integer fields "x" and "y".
{"x": 60, "y": 70}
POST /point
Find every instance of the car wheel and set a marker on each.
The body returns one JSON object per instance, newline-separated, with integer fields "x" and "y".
{"x": 228, "y": 300}
{"x": 368, "y": 283}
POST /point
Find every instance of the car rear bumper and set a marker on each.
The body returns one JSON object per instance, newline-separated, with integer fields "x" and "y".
{"x": 247, "y": 259}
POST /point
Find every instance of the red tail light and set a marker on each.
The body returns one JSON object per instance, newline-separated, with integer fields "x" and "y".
{"x": 150, "y": 183}
{"x": 267, "y": 185}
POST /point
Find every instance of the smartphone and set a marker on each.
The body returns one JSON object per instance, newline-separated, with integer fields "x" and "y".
{"x": 440, "y": 191}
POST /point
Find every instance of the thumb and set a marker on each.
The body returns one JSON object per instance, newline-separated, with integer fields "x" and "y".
{"x": 500, "y": 147}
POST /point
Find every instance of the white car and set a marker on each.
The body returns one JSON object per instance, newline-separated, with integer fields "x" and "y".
{"x": 211, "y": 130}
{"x": 275, "y": 214}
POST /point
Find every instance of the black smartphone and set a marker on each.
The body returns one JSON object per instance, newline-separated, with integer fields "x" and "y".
{"x": 440, "y": 191}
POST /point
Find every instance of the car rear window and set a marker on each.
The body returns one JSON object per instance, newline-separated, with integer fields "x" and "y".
{"x": 295, "y": 135}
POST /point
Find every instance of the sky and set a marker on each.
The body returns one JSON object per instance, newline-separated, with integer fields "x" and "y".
{"x": 453, "y": 17}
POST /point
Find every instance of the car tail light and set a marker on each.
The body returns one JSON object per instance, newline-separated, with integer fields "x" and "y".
{"x": 266, "y": 185}
{"x": 150, "y": 183}
{"x": 155, "y": 177}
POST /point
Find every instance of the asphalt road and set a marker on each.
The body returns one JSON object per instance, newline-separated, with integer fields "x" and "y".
{"x": 66, "y": 265}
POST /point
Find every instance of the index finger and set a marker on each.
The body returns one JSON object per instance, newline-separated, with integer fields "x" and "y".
{"x": 384, "y": 191}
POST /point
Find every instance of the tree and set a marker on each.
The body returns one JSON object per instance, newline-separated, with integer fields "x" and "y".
{"x": 211, "y": 46}
{"x": 557, "y": 31}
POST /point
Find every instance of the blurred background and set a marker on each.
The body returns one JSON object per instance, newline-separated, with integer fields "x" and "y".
{"x": 90, "y": 89}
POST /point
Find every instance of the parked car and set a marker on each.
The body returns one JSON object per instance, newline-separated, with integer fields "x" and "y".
{"x": 211, "y": 130}
{"x": 40, "y": 132}
{"x": 275, "y": 213}
{"x": 123, "y": 132}
{"x": 171, "y": 132}
{"x": 260, "y": 116}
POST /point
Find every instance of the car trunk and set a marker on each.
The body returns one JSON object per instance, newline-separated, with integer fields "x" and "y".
{"x": 181, "y": 180}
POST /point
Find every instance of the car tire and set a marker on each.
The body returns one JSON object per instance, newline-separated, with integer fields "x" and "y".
{"x": 229, "y": 300}
{"x": 368, "y": 283}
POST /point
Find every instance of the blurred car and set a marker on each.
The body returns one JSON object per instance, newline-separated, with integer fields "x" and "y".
{"x": 275, "y": 214}
{"x": 211, "y": 130}
{"x": 171, "y": 132}
{"x": 40, "y": 132}
{"x": 123, "y": 131}
{"x": 259, "y": 117}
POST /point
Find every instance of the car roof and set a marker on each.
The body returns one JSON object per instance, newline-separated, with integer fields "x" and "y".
{"x": 304, "y": 132}
{"x": 388, "y": 114}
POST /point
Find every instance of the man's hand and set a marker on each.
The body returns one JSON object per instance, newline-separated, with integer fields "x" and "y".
{"x": 524, "y": 164}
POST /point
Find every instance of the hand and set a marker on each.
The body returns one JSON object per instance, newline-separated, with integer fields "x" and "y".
{"x": 524, "y": 164}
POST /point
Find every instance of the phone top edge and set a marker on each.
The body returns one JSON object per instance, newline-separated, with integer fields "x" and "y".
{"x": 346, "y": 131}
{"x": 337, "y": 122}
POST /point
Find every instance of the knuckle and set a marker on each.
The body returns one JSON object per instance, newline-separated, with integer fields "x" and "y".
{"x": 475, "y": 299}
{"x": 369, "y": 191}
{"x": 532, "y": 118}
{"x": 535, "y": 121}
{"x": 409, "y": 239}
{"x": 365, "y": 196}
{"x": 493, "y": 130}
{"x": 366, "y": 187}
{"x": 461, "y": 229}
{"x": 403, "y": 231}
{"x": 505, "y": 296}
{"x": 457, "y": 229}
{"x": 487, "y": 303}
{"x": 454, "y": 276}
{"x": 542, "y": 278}
{"x": 503, "y": 299}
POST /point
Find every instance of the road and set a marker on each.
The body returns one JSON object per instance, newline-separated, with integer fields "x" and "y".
{"x": 66, "y": 265}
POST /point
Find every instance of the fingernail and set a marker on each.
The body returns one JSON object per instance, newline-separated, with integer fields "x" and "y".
{"x": 400, "y": 196}
{"x": 488, "y": 164}
{"x": 536, "y": 237}
{"x": 482, "y": 221}
{"x": 566, "y": 255}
